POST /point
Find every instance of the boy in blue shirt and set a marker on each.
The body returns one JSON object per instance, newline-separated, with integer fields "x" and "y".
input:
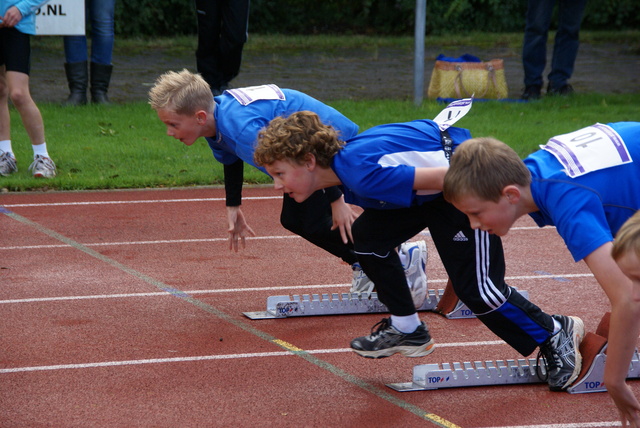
{"x": 395, "y": 173}
{"x": 586, "y": 184}
{"x": 230, "y": 123}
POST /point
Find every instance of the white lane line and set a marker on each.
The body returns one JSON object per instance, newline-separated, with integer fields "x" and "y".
{"x": 179, "y": 241}
{"x": 142, "y": 201}
{"x": 172, "y": 241}
{"x": 580, "y": 425}
{"x": 289, "y": 289}
{"x": 215, "y": 357}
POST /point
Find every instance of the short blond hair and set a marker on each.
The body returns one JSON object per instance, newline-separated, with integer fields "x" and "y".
{"x": 483, "y": 167}
{"x": 295, "y": 137}
{"x": 182, "y": 92}
{"x": 628, "y": 238}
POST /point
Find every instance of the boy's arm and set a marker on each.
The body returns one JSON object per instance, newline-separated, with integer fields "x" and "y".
{"x": 429, "y": 178}
{"x": 624, "y": 328}
{"x": 233, "y": 178}
{"x": 238, "y": 227}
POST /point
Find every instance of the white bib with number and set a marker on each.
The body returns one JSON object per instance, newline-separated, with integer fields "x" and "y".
{"x": 590, "y": 149}
{"x": 453, "y": 113}
{"x": 246, "y": 96}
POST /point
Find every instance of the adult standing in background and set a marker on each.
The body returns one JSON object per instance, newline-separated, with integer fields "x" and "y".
{"x": 565, "y": 48}
{"x": 222, "y": 33}
{"x": 100, "y": 16}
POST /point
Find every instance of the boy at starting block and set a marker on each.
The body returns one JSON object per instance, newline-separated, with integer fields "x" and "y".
{"x": 230, "y": 123}
{"x": 586, "y": 183}
{"x": 395, "y": 172}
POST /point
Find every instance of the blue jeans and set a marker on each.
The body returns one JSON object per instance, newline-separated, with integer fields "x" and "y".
{"x": 99, "y": 14}
{"x": 565, "y": 48}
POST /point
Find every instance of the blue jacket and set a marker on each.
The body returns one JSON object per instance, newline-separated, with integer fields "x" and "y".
{"x": 27, "y": 8}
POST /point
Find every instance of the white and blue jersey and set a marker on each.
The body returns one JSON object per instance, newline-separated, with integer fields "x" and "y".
{"x": 238, "y": 125}
{"x": 377, "y": 167}
{"x": 590, "y": 188}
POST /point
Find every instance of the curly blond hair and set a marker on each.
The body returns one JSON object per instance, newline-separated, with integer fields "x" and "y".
{"x": 628, "y": 238}
{"x": 182, "y": 92}
{"x": 296, "y": 137}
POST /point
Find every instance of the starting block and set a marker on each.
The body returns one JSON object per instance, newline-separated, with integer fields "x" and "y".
{"x": 443, "y": 301}
{"x": 510, "y": 372}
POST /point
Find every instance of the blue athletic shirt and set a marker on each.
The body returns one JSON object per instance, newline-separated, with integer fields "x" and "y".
{"x": 27, "y": 9}
{"x": 237, "y": 125}
{"x": 587, "y": 210}
{"x": 377, "y": 167}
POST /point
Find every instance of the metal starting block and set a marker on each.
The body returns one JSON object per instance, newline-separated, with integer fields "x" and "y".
{"x": 443, "y": 301}
{"x": 332, "y": 304}
{"x": 510, "y": 372}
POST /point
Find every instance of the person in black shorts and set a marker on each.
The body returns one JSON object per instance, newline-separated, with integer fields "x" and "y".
{"x": 17, "y": 24}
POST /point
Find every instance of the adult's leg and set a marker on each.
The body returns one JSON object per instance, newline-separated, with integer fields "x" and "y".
{"x": 474, "y": 261}
{"x": 534, "y": 49}
{"x": 208, "y": 57}
{"x": 312, "y": 220}
{"x": 101, "y": 16}
{"x": 567, "y": 41}
{"x": 235, "y": 23}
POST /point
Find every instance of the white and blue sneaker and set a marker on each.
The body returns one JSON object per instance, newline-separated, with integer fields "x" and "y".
{"x": 7, "y": 164}
{"x": 361, "y": 282}
{"x": 414, "y": 258}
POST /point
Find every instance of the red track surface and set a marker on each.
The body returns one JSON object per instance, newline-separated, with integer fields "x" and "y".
{"x": 91, "y": 337}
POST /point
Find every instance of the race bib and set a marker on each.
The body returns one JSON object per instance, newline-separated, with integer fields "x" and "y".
{"x": 453, "y": 113}
{"x": 246, "y": 96}
{"x": 590, "y": 149}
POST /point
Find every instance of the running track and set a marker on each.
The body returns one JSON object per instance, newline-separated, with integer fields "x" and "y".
{"x": 124, "y": 309}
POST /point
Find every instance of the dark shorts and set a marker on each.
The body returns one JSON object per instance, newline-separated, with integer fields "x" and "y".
{"x": 15, "y": 50}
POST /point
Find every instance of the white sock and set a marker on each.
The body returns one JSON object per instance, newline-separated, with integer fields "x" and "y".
{"x": 5, "y": 146}
{"x": 406, "y": 324}
{"x": 40, "y": 149}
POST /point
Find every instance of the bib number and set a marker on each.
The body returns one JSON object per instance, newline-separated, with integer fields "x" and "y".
{"x": 246, "y": 96}
{"x": 590, "y": 149}
{"x": 453, "y": 113}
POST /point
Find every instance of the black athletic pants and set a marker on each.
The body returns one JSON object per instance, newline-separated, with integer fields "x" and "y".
{"x": 222, "y": 33}
{"x": 473, "y": 259}
{"x": 312, "y": 220}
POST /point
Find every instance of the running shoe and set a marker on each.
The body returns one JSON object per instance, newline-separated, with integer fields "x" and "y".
{"x": 415, "y": 270}
{"x": 386, "y": 341}
{"x": 43, "y": 166}
{"x": 361, "y": 282}
{"x": 561, "y": 353}
{"x": 7, "y": 164}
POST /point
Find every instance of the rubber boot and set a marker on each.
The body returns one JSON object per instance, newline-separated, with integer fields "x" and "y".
{"x": 100, "y": 78}
{"x": 77, "y": 77}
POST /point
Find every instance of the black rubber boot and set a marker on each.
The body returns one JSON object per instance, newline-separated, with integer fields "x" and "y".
{"x": 77, "y": 77}
{"x": 100, "y": 78}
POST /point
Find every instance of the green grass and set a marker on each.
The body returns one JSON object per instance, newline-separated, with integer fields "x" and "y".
{"x": 125, "y": 146}
{"x": 322, "y": 42}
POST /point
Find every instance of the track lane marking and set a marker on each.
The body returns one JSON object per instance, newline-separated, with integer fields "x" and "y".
{"x": 289, "y": 288}
{"x": 336, "y": 371}
{"x": 291, "y": 350}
